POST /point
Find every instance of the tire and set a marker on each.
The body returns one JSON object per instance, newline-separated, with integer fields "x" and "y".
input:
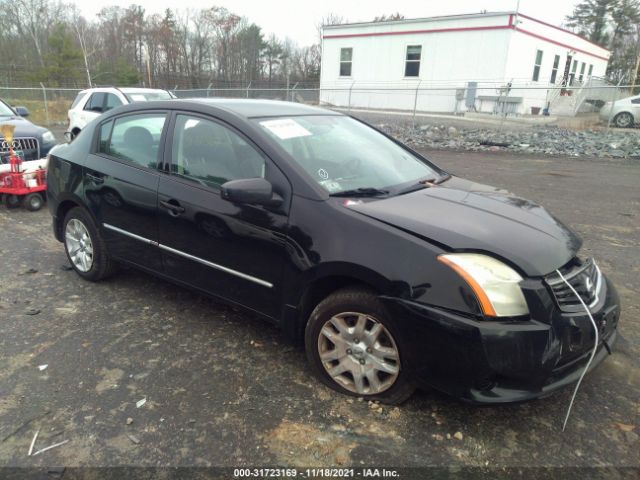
{"x": 33, "y": 202}
{"x": 623, "y": 120}
{"x": 12, "y": 201}
{"x": 348, "y": 307}
{"x": 78, "y": 225}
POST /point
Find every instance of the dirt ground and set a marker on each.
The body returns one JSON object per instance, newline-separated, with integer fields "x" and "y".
{"x": 222, "y": 388}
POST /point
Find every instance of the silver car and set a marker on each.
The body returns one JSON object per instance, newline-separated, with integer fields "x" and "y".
{"x": 625, "y": 113}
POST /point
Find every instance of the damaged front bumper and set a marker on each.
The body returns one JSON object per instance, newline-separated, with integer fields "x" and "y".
{"x": 486, "y": 361}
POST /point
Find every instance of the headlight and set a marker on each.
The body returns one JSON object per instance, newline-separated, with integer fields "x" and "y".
{"x": 495, "y": 284}
{"x": 48, "y": 137}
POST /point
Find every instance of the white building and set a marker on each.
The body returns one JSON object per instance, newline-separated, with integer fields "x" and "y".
{"x": 381, "y": 65}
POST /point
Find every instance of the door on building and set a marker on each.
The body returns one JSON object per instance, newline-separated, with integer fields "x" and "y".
{"x": 565, "y": 74}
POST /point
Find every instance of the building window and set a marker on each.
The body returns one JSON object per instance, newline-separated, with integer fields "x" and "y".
{"x": 554, "y": 70}
{"x": 590, "y": 70}
{"x": 412, "y": 63}
{"x": 536, "y": 67}
{"x": 582, "y": 67}
{"x": 346, "y": 59}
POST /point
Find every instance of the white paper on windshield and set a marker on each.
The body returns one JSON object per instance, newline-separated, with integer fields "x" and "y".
{"x": 285, "y": 128}
{"x": 137, "y": 97}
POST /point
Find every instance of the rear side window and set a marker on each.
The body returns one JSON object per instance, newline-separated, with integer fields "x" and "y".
{"x": 112, "y": 102}
{"x": 135, "y": 138}
{"x": 95, "y": 103}
{"x": 79, "y": 97}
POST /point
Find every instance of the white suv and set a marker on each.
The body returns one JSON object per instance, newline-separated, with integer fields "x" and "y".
{"x": 93, "y": 102}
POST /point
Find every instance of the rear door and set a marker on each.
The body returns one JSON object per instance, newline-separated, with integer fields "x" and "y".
{"x": 121, "y": 185}
{"x": 230, "y": 250}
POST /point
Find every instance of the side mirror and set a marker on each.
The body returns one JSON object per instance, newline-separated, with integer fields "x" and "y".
{"x": 250, "y": 190}
{"x": 22, "y": 111}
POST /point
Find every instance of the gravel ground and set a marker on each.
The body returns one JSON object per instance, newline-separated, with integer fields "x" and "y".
{"x": 223, "y": 388}
{"x": 455, "y": 134}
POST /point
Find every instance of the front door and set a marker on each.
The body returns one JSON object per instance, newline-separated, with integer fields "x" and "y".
{"x": 121, "y": 185}
{"x": 233, "y": 251}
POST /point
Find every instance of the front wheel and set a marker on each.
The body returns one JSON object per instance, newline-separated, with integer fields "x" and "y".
{"x": 354, "y": 347}
{"x": 85, "y": 247}
{"x": 623, "y": 120}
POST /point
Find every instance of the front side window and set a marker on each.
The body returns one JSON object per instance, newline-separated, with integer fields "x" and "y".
{"x": 412, "y": 61}
{"x": 537, "y": 65}
{"x": 346, "y": 60}
{"x": 341, "y": 153}
{"x": 211, "y": 154}
{"x": 554, "y": 70}
{"x": 135, "y": 138}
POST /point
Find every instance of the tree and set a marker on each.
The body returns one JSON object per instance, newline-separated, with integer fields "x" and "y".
{"x": 590, "y": 18}
{"x": 273, "y": 55}
{"x": 389, "y": 18}
{"x": 63, "y": 61}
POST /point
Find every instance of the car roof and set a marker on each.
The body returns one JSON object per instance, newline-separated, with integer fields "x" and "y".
{"x": 123, "y": 89}
{"x": 262, "y": 108}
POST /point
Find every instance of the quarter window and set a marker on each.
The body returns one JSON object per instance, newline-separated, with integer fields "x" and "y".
{"x": 346, "y": 60}
{"x": 135, "y": 138}
{"x": 537, "y": 65}
{"x": 554, "y": 70}
{"x": 412, "y": 61}
{"x": 211, "y": 154}
{"x": 95, "y": 103}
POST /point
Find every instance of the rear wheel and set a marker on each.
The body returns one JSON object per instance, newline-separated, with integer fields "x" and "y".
{"x": 623, "y": 120}
{"x": 12, "y": 201}
{"x": 85, "y": 248}
{"x": 354, "y": 347}
{"x": 33, "y": 202}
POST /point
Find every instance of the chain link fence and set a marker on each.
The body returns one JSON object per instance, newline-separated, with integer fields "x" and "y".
{"x": 422, "y": 110}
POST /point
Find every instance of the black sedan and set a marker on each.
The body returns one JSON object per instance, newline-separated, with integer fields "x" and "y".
{"x": 393, "y": 272}
{"x": 30, "y": 141}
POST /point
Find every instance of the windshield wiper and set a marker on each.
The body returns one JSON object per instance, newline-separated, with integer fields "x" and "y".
{"x": 361, "y": 192}
{"x": 424, "y": 183}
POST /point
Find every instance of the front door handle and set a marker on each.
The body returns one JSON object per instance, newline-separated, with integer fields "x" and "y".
{"x": 95, "y": 178}
{"x": 173, "y": 206}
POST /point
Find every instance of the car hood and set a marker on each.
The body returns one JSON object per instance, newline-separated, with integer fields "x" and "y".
{"x": 24, "y": 128}
{"x": 462, "y": 215}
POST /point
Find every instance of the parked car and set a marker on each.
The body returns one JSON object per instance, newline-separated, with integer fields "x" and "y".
{"x": 625, "y": 113}
{"x": 30, "y": 141}
{"x": 393, "y": 272}
{"x": 93, "y": 102}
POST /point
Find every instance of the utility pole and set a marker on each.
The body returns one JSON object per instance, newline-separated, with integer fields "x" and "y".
{"x": 635, "y": 74}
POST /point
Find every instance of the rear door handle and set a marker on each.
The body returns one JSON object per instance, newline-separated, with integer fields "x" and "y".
{"x": 95, "y": 178}
{"x": 173, "y": 206}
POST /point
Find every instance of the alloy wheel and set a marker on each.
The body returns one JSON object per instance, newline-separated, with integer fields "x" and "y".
{"x": 359, "y": 353}
{"x": 79, "y": 245}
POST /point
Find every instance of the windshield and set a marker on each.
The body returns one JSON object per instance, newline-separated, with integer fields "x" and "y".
{"x": 342, "y": 154}
{"x": 148, "y": 96}
{"x": 5, "y": 111}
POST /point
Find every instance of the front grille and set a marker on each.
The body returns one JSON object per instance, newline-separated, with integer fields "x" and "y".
{"x": 584, "y": 277}
{"x": 29, "y": 146}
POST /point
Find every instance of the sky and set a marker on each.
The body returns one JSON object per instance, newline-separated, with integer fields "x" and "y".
{"x": 297, "y": 19}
